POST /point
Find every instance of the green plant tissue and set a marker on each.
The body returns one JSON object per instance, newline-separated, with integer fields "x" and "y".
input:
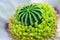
{"x": 36, "y": 21}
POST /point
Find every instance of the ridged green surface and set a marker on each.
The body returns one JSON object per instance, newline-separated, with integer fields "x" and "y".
{"x": 30, "y": 14}
{"x": 44, "y": 30}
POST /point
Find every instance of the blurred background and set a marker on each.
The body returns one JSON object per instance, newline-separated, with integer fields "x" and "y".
{"x": 8, "y": 7}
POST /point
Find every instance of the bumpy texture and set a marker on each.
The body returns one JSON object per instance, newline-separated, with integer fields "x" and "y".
{"x": 41, "y": 30}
